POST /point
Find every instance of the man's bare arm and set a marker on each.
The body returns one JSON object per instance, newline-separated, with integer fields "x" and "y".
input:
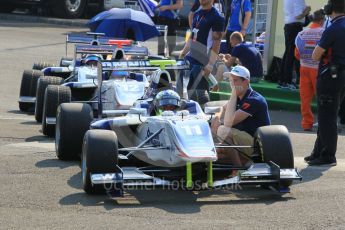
{"x": 178, "y": 5}
{"x": 246, "y": 20}
{"x": 317, "y": 53}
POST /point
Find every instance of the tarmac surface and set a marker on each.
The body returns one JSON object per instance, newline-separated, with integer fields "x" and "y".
{"x": 39, "y": 192}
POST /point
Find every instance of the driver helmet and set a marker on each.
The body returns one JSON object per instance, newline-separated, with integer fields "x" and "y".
{"x": 92, "y": 58}
{"x": 167, "y": 98}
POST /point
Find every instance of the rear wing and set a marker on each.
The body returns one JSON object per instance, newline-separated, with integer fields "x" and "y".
{"x": 90, "y": 49}
{"x": 111, "y": 50}
{"x": 86, "y": 39}
{"x": 98, "y": 39}
{"x": 140, "y": 65}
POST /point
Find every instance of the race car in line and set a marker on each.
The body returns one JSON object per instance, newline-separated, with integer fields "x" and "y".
{"x": 28, "y": 88}
{"x": 147, "y": 150}
{"x": 121, "y": 87}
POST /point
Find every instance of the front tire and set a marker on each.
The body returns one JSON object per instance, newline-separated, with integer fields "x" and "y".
{"x": 100, "y": 155}
{"x": 53, "y": 97}
{"x": 72, "y": 122}
{"x": 273, "y": 144}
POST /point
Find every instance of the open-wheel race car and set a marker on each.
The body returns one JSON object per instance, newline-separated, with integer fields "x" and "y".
{"x": 112, "y": 98}
{"x": 120, "y": 87}
{"x": 57, "y": 73}
{"x": 150, "y": 150}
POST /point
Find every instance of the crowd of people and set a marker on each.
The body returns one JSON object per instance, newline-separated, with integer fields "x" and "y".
{"x": 314, "y": 50}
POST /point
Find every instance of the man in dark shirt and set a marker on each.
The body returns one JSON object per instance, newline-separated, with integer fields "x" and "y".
{"x": 218, "y": 4}
{"x": 247, "y": 56}
{"x": 203, "y": 46}
{"x": 330, "y": 84}
{"x": 242, "y": 115}
{"x": 168, "y": 15}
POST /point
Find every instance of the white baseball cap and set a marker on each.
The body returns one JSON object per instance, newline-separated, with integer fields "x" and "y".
{"x": 239, "y": 71}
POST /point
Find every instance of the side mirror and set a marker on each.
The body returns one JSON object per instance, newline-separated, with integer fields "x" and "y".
{"x": 212, "y": 110}
{"x": 138, "y": 111}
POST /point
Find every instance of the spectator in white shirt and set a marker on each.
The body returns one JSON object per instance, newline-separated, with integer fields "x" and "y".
{"x": 294, "y": 16}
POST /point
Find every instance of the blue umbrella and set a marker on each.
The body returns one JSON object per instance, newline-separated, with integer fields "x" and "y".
{"x": 124, "y": 23}
{"x": 148, "y": 6}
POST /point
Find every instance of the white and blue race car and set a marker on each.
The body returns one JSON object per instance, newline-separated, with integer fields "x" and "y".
{"x": 146, "y": 150}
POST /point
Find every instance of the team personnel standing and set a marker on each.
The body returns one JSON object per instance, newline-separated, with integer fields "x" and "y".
{"x": 330, "y": 83}
{"x": 240, "y": 13}
{"x": 295, "y": 12}
{"x": 306, "y": 41}
{"x": 203, "y": 48}
{"x": 218, "y": 4}
{"x": 168, "y": 15}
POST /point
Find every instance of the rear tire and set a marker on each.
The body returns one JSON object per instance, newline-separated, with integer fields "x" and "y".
{"x": 53, "y": 97}
{"x": 72, "y": 122}
{"x": 100, "y": 155}
{"x": 28, "y": 87}
{"x": 69, "y": 8}
{"x": 42, "y": 84}
{"x": 273, "y": 144}
{"x": 42, "y": 65}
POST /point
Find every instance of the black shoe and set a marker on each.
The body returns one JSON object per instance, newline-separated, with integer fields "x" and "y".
{"x": 309, "y": 158}
{"x": 322, "y": 162}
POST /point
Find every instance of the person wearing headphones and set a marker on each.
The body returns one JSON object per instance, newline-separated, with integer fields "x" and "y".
{"x": 330, "y": 52}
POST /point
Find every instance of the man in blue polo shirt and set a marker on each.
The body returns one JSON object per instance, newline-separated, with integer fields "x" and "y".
{"x": 244, "y": 54}
{"x": 218, "y": 4}
{"x": 168, "y": 15}
{"x": 240, "y": 13}
{"x": 203, "y": 48}
{"x": 330, "y": 84}
{"x": 242, "y": 115}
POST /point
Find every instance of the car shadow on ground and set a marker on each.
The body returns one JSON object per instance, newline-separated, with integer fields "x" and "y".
{"x": 29, "y": 113}
{"x": 173, "y": 200}
{"x": 311, "y": 173}
{"x": 39, "y": 138}
{"x": 56, "y": 163}
{"x": 30, "y": 123}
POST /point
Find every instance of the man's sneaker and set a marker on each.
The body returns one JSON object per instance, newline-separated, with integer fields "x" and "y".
{"x": 316, "y": 125}
{"x": 292, "y": 87}
{"x": 341, "y": 127}
{"x": 309, "y": 158}
{"x": 308, "y": 129}
{"x": 322, "y": 162}
{"x": 283, "y": 86}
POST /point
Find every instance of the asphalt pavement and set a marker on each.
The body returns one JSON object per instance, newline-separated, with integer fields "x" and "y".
{"x": 39, "y": 192}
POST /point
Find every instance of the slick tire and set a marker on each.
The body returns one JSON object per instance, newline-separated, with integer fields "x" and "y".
{"x": 72, "y": 122}
{"x": 42, "y": 84}
{"x": 100, "y": 155}
{"x": 28, "y": 87}
{"x": 273, "y": 144}
{"x": 53, "y": 97}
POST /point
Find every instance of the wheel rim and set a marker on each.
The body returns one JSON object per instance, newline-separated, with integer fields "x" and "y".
{"x": 83, "y": 169}
{"x": 73, "y": 5}
{"x": 83, "y": 164}
{"x": 57, "y": 134}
